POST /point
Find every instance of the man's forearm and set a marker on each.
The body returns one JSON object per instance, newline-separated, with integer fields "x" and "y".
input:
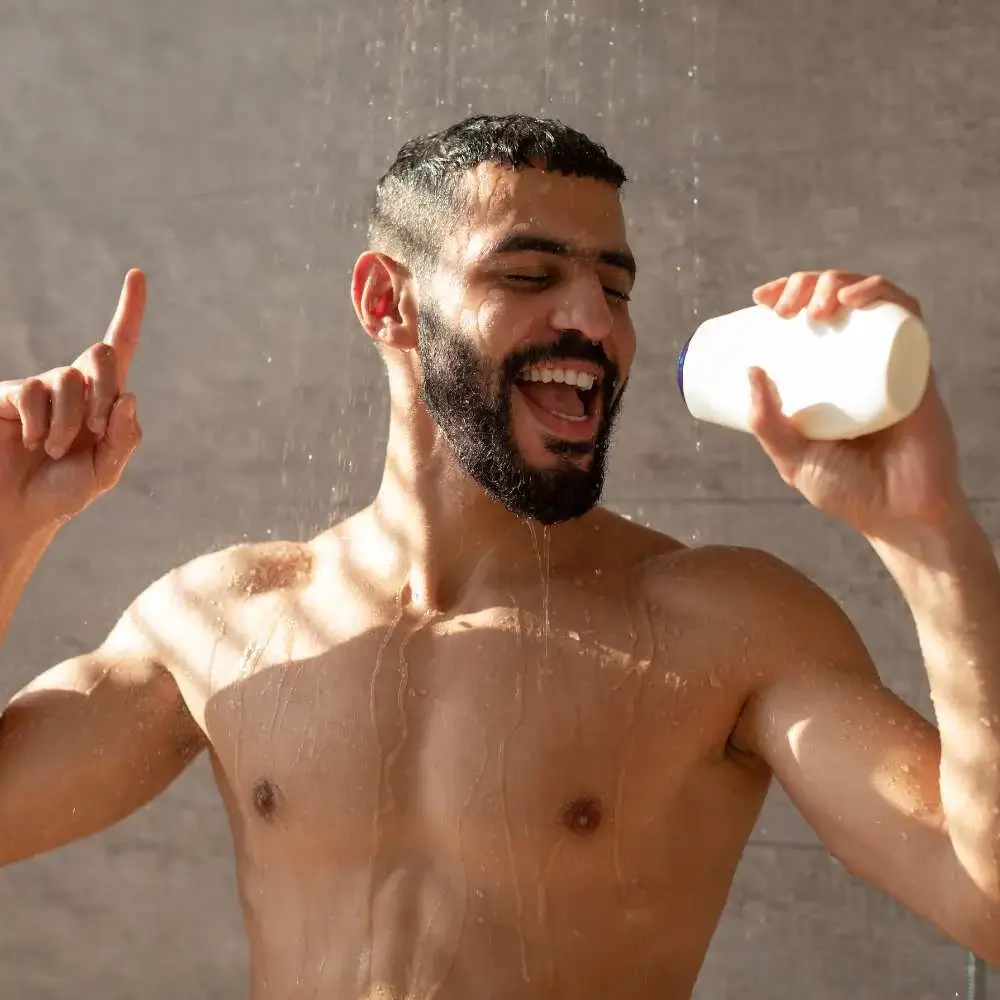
{"x": 18, "y": 559}
{"x": 950, "y": 579}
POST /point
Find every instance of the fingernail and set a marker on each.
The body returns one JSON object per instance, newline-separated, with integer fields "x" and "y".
{"x": 98, "y": 425}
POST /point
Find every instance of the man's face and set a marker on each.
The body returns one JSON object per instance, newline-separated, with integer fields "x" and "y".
{"x": 526, "y": 341}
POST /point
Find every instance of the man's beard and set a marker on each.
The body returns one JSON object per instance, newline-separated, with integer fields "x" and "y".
{"x": 470, "y": 400}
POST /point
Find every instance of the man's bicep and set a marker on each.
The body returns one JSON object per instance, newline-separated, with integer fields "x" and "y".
{"x": 88, "y": 742}
{"x": 854, "y": 758}
{"x": 861, "y": 766}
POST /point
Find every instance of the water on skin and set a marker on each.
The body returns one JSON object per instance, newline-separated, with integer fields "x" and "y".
{"x": 542, "y": 918}
{"x": 389, "y": 805}
{"x": 446, "y": 970}
{"x": 419, "y": 958}
{"x": 543, "y": 912}
{"x": 546, "y": 582}
{"x": 252, "y": 655}
{"x": 519, "y": 681}
{"x": 221, "y": 632}
{"x": 543, "y": 552}
{"x": 427, "y": 944}
{"x": 627, "y": 749}
{"x": 284, "y": 692}
{"x": 307, "y": 734}
{"x": 366, "y": 959}
{"x": 635, "y": 676}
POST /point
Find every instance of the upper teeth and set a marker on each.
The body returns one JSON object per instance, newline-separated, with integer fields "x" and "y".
{"x": 582, "y": 380}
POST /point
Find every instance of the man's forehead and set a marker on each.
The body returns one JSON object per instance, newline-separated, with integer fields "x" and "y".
{"x": 580, "y": 211}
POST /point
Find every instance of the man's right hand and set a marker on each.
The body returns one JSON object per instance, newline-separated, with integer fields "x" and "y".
{"x": 66, "y": 435}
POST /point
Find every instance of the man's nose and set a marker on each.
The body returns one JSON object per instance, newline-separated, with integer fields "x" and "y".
{"x": 583, "y": 306}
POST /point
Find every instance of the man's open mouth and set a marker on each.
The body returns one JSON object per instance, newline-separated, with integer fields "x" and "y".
{"x": 567, "y": 391}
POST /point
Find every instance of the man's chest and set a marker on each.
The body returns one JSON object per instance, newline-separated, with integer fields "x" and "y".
{"x": 502, "y": 720}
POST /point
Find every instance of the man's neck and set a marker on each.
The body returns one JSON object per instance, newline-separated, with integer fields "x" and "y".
{"x": 432, "y": 532}
{"x": 437, "y": 533}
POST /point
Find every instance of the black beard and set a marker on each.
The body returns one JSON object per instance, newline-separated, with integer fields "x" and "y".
{"x": 470, "y": 400}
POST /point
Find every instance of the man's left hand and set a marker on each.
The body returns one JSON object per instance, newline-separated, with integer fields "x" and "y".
{"x": 906, "y": 475}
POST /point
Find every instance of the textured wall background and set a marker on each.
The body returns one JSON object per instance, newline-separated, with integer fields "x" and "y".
{"x": 227, "y": 148}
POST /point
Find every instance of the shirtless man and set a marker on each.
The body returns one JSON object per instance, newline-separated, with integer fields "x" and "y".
{"x": 467, "y": 756}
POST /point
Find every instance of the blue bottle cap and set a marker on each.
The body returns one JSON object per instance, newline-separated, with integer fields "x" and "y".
{"x": 680, "y": 364}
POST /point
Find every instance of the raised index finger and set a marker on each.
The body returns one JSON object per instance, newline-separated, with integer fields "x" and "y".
{"x": 123, "y": 331}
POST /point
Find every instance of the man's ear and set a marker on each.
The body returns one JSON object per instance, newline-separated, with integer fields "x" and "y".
{"x": 384, "y": 300}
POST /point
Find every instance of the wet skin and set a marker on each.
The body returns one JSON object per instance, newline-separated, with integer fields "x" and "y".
{"x": 531, "y": 795}
{"x": 542, "y": 791}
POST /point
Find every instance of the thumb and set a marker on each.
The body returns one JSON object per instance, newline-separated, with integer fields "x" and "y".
{"x": 120, "y": 440}
{"x": 781, "y": 440}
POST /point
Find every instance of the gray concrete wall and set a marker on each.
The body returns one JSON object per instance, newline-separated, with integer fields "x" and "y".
{"x": 226, "y": 147}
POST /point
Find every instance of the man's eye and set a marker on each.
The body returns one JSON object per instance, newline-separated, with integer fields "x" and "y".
{"x": 541, "y": 279}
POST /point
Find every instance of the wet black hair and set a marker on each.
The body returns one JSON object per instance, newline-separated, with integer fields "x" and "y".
{"x": 418, "y": 198}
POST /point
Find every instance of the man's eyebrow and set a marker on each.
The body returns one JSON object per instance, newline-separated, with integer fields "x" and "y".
{"x": 527, "y": 243}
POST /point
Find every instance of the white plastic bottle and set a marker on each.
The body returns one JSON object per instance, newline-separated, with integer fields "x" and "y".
{"x": 862, "y": 371}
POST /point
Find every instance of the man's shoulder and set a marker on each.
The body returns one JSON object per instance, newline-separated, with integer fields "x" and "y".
{"x": 740, "y": 574}
{"x": 239, "y": 572}
{"x": 736, "y": 583}
{"x": 186, "y": 606}
{"x": 773, "y": 613}
{"x": 664, "y": 556}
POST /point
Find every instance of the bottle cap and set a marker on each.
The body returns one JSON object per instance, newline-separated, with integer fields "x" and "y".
{"x": 680, "y": 364}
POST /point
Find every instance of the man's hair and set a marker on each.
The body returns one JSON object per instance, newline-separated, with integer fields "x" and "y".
{"x": 417, "y": 199}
